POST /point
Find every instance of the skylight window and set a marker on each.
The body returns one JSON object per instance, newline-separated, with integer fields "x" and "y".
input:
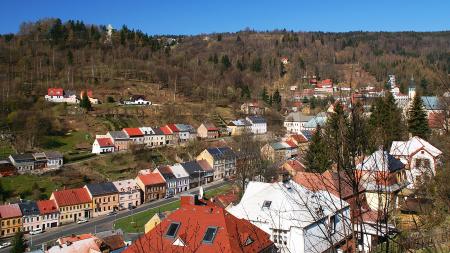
{"x": 210, "y": 234}
{"x": 267, "y": 204}
{"x": 173, "y": 229}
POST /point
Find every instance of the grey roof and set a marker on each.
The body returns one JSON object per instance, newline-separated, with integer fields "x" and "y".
{"x": 298, "y": 117}
{"x": 27, "y": 157}
{"x": 53, "y": 155}
{"x": 256, "y": 119}
{"x": 431, "y": 103}
{"x": 29, "y": 208}
{"x": 192, "y": 168}
{"x": 221, "y": 153}
{"x": 118, "y": 135}
{"x": 166, "y": 172}
{"x": 158, "y": 131}
{"x": 102, "y": 188}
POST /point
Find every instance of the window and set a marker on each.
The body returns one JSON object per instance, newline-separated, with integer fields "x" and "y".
{"x": 267, "y": 204}
{"x": 332, "y": 224}
{"x": 173, "y": 229}
{"x": 210, "y": 234}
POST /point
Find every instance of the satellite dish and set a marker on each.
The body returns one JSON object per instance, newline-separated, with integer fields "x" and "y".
{"x": 200, "y": 192}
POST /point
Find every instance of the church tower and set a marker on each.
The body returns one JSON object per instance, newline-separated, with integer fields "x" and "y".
{"x": 411, "y": 89}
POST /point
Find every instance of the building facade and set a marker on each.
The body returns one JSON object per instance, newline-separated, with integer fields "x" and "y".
{"x": 129, "y": 193}
{"x": 105, "y": 198}
{"x": 73, "y": 205}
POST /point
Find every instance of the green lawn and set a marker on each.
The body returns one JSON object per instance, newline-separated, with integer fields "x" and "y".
{"x": 22, "y": 185}
{"x": 5, "y": 150}
{"x": 135, "y": 223}
{"x": 66, "y": 143}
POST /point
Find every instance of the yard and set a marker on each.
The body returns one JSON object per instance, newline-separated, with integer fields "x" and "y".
{"x": 23, "y": 186}
{"x": 68, "y": 142}
{"x": 136, "y": 222}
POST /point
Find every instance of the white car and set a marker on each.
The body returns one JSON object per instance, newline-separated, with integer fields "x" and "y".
{"x": 36, "y": 231}
{"x": 5, "y": 244}
{"x": 81, "y": 221}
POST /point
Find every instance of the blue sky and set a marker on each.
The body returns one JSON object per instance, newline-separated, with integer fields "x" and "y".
{"x": 205, "y": 16}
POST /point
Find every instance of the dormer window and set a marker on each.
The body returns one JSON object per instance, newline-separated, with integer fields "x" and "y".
{"x": 210, "y": 234}
{"x": 173, "y": 229}
{"x": 267, "y": 204}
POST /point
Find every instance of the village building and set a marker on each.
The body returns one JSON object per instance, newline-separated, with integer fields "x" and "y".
{"x": 23, "y": 162}
{"x": 135, "y": 135}
{"x": 295, "y": 122}
{"x": 154, "y": 220}
{"x": 182, "y": 177}
{"x": 59, "y": 95}
{"x": 292, "y": 167}
{"x": 207, "y": 131}
{"x": 185, "y": 132}
{"x": 222, "y": 160}
{"x": 153, "y": 137}
{"x": 120, "y": 139}
{"x": 202, "y": 227}
{"x": 297, "y": 219}
{"x": 152, "y": 185}
{"x": 419, "y": 156}
{"x": 55, "y": 159}
{"x": 279, "y": 151}
{"x": 194, "y": 172}
{"x": 208, "y": 174}
{"x": 11, "y": 219}
{"x": 171, "y": 181}
{"x": 103, "y": 145}
{"x": 238, "y": 127}
{"x": 90, "y": 96}
{"x": 73, "y": 205}
{"x": 7, "y": 169}
{"x": 252, "y": 108}
{"x": 258, "y": 124}
{"x": 129, "y": 193}
{"x": 31, "y": 218}
{"x": 168, "y": 135}
{"x": 48, "y": 211}
{"x": 137, "y": 100}
{"x": 319, "y": 120}
{"x": 105, "y": 198}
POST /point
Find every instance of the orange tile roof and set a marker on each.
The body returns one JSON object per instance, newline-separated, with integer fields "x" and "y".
{"x": 74, "y": 238}
{"x": 166, "y": 130}
{"x": 105, "y": 142}
{"x": 10, "y": 211}
{"x": 194, "y": 219}
{"x": 298, "y": 138}
{"x": 72, "y": 197}
{"x": 133, "y": 131}
{"x": 151, "y": 179}
{"x": 47, "y": 206}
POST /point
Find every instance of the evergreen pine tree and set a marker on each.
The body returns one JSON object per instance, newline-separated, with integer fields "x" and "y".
{"x": 85, "y": 102}
{"x": 18, "y": 243}
{"x": 417, "y": 119}
{"x": 264, "y": 95}
{"x": 316, "y": 157}
{"x": 276, "y": 99}
{"x": 225, "y": 62}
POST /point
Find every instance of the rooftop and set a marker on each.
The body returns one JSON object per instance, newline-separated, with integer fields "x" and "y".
{"x": 99, "y": 189}
{"x": 151, "y": 179}
{"x": 72, "y": 197}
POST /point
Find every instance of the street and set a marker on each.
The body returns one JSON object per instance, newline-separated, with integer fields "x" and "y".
{"x": 103, "y": 223}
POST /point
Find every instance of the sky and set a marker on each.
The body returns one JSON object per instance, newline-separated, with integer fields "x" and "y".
{"x": 207, "y": 16}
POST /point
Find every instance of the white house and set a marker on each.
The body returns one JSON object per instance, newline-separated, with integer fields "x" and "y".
{"x": 54, "y": 159}
{"x": 419, "y": 156}
{"x": 153, "y": 137}
{"x": 298, "y": 220}
{"x": 103, "y": 145}
{"x": 59, "y": 95}
{"x": 129, "y": 193}
{"x": 181, "y": 176}
{"x": 49, "y": 213}
{"x": 258, "y": 124}
{"x": 137, "y": 100}
{"x": 295, "y": 122}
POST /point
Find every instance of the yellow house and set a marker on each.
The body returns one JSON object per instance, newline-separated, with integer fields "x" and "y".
{"x": 154, "y": 221}
{"x": 11, "y": 219}
{"x": 73, "y": 205}
{"x": 105, "y": 198}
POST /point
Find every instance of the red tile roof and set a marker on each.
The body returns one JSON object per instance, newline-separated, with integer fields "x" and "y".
{"x": 295, "y": 165}
{"x": 233, "y": 234}
{"x": 55, "y": 91}
{"x": 173, "y": 128}
{"x": 71, "y": 197}
{"x": 166, "y": 130}
{"x": 210, "y": 127}
{"x": 47, "y": 206}
{"x": 298, "y": 138}
{"x": 291, "y": 144}
{"x": 205, "y": 165}
{"x": 10, "y": 211}
{"x": 74, "y": 238}
{"x": 133, "y": 131}
{"x": 152, "y": 179}
{"x": 105, "y": 142}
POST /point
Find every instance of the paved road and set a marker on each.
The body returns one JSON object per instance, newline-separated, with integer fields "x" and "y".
{"x": 103, "y": 223}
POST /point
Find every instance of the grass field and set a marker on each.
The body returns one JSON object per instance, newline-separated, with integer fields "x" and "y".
{"x": 5, "y": 150}
{"x": 136, "y": 222}
{"x": 22, "y": 186}
{"x": 68, "y": 142}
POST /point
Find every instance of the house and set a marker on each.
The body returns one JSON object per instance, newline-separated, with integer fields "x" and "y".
{"x": 73, "y": 205}
{"x": 207, "y": 131}
{"x": 40, "y": 161}
{"x": 113, "y": 240}
{"x": 129, "y": 193}
{"x": 169, "y": 177}
{"x": 298, "y": 219}
{"x": 154, "y": 220}
{"x": 419, "y": 156}
{"x": 431, "y": 104}
{"x": 103, "y": 145}
{"x": 295, "y": 121}
{"x": 49, "y": 213}
{"x": 168, "y": 135}
{"x": 55, "y": 159}
{"x": 105, "y": 198}
{"x": 258, "y": 124}
{"x": 135, "y": 135}
{"x": 31, "y": 218}
{"x": 319, "y": 120}
{"x": 238, "y": 127}
{"x": 89, "y": 245}
{"x": 185, "y": 132}
{"x": 252, "y": 108}
{"x": 152, "y": 185}
{"x": 120, "y": 139}
{"x": 182, "y": 177}
{"x": 208, "y": 174}
{"x": 194, "y": 172}
{"x": 300, "y": 140}
{"x": 59, "y": 95}
{"x": 292, "y": 167}
{"x": 23, "y": 162}
{"x": 175, "y": 132}
{"x": 11, "y": 219}
{"x": 284, "y": 60}
{"x": 7, "y": 169}
{"x": 279, "y": 151}
{"x": 383, "y": 176}
{"x": 153, "y": 137}
{"x": 222, "y": 160}
{"x": 200, "y": 226}
{"x": 90, "y": 96}
{"x": 137, "y": 100}
{"x": 70, "y": 239}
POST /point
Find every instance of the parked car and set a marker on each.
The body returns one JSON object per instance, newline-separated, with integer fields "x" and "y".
{"x": 36, "y": 231}
{"x": 112, "y": 213}
{"x": 80, "y": 221}
{"x": 5, "y": 244}
{"x": 131, "y": 207}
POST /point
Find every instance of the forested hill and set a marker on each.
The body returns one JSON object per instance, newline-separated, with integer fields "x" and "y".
{"x": 74, "y": 55}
